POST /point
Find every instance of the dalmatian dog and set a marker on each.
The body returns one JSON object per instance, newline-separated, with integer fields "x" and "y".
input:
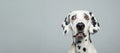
{"x": 82, "y": 24}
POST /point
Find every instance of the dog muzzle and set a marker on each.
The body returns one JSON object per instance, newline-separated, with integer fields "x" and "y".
{"x": 79, "y": 37}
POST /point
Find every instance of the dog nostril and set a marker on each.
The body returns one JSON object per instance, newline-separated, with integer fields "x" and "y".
{"x": 80, "y": 26}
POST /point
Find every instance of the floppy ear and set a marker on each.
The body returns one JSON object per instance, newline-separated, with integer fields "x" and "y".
{"x": 94, "y": 25}
{"x": 66, "y": 24}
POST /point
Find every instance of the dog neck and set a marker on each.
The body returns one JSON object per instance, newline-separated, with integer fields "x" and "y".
{"x": 82, "y": 45}
{"x": 85, "y": 40}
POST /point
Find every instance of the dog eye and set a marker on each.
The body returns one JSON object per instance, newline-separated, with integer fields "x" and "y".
{"x": 73, "y": 17}
{"x": 86, "y": 17}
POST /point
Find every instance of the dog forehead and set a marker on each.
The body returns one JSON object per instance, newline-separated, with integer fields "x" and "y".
{"x": 78, "y": 13}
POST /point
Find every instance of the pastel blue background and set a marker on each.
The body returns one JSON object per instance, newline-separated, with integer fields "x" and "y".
{"x": 34, "y": 26}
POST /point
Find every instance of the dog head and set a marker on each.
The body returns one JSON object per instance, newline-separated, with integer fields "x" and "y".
{"x": 80, "y": 22}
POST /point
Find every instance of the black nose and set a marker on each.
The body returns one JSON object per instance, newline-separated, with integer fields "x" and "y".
{"x": 80, "y": 26}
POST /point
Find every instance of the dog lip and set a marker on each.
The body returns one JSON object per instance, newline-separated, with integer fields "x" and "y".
{"x": 79, "y": 33}
{"x": 82, "y": 30}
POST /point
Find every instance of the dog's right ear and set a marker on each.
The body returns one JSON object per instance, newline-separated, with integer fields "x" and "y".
{"x": 66, "y": 24}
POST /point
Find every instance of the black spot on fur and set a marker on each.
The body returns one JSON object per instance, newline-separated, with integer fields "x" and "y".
{"x": 90, "y": 38}
{"x": 66, "y": 21}
{"x": 79, "y": 47}
{"x": 98, "y": 24}
{"x": 68, "y": 16}
{"x": 93, "y": 21}
{"x": 84, "y": 49}
{"x": 90, "y": 13}
{"x": 84, "y": 35}
{"x": 62, "y": 26}
{"x": 79, "y": 41}
{"x": 65, "y": 31}
{"x": 94, "y": 30}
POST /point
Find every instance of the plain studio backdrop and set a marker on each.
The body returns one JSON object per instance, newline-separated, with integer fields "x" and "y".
{"x": 34, "y": 26}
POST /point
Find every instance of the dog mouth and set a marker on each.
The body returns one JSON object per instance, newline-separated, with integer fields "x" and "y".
{"x": 80, "y": 34}
{"x": 79, "y": 37}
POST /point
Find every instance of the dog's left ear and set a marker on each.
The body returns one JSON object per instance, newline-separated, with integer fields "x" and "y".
{"x": 94, "y": 25}
{"x": 66, "y": 24}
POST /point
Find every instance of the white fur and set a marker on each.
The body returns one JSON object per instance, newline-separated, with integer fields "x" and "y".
{"x": 88, "y": 29}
